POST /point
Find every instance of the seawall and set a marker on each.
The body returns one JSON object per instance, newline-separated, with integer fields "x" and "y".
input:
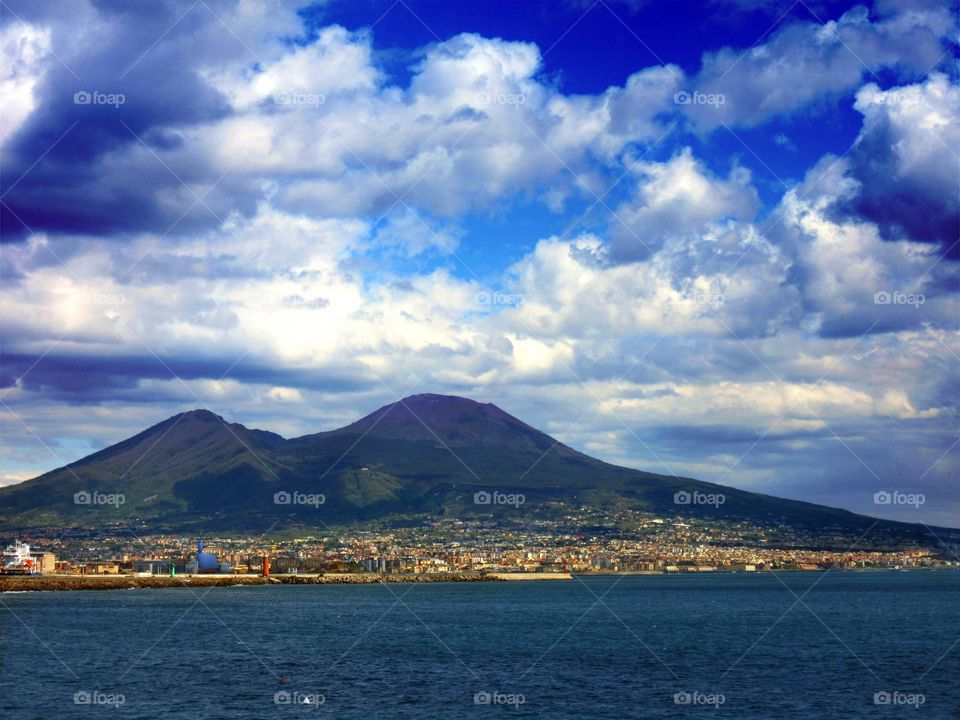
{"x": 19, "y": 583}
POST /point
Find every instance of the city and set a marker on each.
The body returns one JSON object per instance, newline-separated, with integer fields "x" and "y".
{"x": 587, "y": 541}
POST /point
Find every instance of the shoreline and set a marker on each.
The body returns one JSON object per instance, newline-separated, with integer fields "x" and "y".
{"x": 778, "y": 571}
{"x": 66, "y": 583}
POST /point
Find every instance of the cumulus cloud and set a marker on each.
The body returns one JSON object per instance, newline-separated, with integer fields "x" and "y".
{"x": 90, "y": 150}
{"x": 315, "y": 127}
{"x": 853, "y": 224}
{"x": 474, "y": 125}
{"x": 678, "y": 199}
{"x": 906, "y": 159}
{"x": 815, "y": 61}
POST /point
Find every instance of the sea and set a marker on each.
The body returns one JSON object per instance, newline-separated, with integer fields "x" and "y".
{"x": 771, "y": 647}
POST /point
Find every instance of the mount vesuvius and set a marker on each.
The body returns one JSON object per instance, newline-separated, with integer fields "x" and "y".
{"x": 426, "y": 454}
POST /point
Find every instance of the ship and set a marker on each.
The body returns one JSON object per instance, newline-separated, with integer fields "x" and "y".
{"x": 17, "y": 560}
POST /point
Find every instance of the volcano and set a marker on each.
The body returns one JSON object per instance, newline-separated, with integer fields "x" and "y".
{"x": 423, "y": 455}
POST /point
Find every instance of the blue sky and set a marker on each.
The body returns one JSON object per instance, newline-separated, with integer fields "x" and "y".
{"x": 716, "y": 239}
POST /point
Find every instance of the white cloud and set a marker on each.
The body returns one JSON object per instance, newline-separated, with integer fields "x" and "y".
{"x": 678, "y": 199}
{"x": 284, "y": 394}
{"x": 906, "y": 159}
{"x": 807, "y": 62}
{"x": 24, "y": 49}
{"x": 475, "y": 124}
{"x": 335, "y": 63}
{"x": 853, "y": 280}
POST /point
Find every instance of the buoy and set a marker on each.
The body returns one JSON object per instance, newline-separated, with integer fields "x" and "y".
{"x": 282, "y": 680}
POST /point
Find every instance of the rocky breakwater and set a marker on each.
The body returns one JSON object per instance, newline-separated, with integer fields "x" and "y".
{"x": 15, "y": 583}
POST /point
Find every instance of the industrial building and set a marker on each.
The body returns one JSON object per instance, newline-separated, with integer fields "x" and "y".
{"x": 45, "y": 562}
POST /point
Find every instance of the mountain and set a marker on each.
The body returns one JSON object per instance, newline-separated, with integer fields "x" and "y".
{"x": 426, "y": 454}
{"x": 454, "y": 421}
{"x": 144, "y": 468}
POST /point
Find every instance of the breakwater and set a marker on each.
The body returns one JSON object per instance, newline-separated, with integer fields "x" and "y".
{"x": 14, "y": 583}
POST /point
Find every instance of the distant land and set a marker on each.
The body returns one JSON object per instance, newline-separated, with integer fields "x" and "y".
{"x": 426, "y": 455}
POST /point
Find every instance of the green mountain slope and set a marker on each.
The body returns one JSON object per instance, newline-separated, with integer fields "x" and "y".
{"x": 146, "y": 470}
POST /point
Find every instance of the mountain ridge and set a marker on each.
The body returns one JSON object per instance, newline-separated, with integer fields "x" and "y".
{"x": 424, "y": 454}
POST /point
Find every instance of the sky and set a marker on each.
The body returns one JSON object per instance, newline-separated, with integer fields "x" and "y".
{"x": 715, "y": 239}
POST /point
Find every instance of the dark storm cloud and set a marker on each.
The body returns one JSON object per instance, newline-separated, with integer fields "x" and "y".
{"x": 721, "y": 436}
{"x": 167, "y": 267}
{"x": 916, "y": 206}
{"x": 927, "y": 301}
{"x": 89, "y": 168}
{"x": 858, "y": 322}
{"x": 80, "y": 379}
{"x": 875, "y": 454}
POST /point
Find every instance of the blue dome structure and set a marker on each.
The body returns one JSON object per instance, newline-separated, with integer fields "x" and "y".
{"x": 206, "y": 561}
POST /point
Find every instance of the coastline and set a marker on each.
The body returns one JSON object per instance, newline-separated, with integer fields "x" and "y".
{"x": 59, "y": 583}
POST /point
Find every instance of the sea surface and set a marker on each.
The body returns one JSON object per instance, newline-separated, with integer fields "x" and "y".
{"x": 795, "y": 645}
